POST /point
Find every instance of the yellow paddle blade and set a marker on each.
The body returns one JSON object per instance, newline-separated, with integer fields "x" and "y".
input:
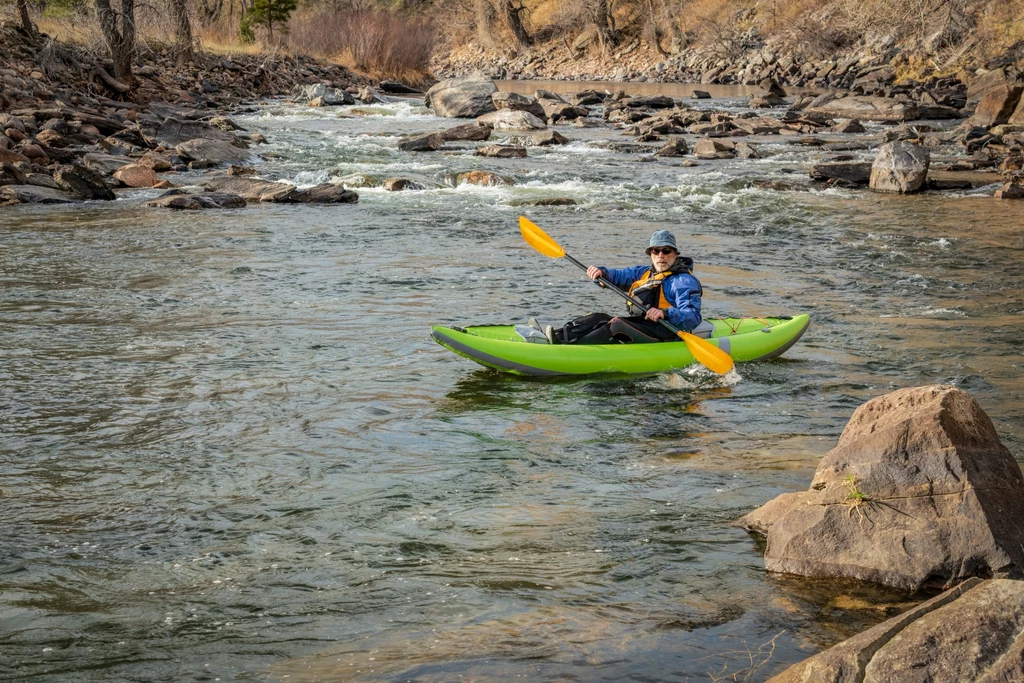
{"x": 538, "y": 239}
{"x": 707, "y": 354}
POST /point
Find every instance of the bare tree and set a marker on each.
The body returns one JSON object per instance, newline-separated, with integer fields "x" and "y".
{"x": 26, "y": 20}
{"x": 509, "y": 10}
{"x": 483, "y": 16}
{"x": 119, "y": 34}
{"x": 600, "y": 16}
{"x": 183, "y": 31}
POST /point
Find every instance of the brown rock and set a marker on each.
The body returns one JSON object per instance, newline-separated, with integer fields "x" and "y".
{"x": 30, "y": 194}
{"x": 997, "y": 106}
{"x": 325, "y": 193}
{"x": 15, "y": 135}
{"x": 1010, "y": 191}
{"x": 9, "y": 157}
{"x": 551, "y": 201}
{"x": 867, "y": 108}
{"x": 973, "y": 632}
{"x": 517, "y": 102}
{"x": 422, "y": 142}
{"x": 82, "y": 182}
{"x": 241, "y": 170}
{"x": 707, "y": 148}
{"x": 36, "y": 154}
{"x": 11, "y": 175}
{"x": 469, "y": 131}
{"x": 676, "y": 147}
{"x": 402, "y": 184}
{"x": 851, "y": 126}
{"x": 156, "y": 161}
{"x": 745, "y": 150}
{"x": 196, "y": 202}
{"x": 482, "y": 178}
{"x": 918, "y": 492}
{"x": 502, "y": 151}
{"x": 899, "y": 168}
{"x": 105, "y": 164}
{"x": 136, "y": 175}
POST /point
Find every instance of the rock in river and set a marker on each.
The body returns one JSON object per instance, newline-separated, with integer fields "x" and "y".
{"x": 973, "y": 632}
{"x": 195, "y": 202}
{"x": 30, "y": 194}
{"x": 868, "y": 109}
{"x": 482, "y": 178}
{"x": 918, "y": 492}
{"x": 502, "y": 151}
{"x": 510, "y": 119}
{"x": 421, "y": 142}
{"x": 251, "y": 189}
{"x": 218, "y": 151}
{"x": 899, "y": 168}
{"x": 466, "y": 97}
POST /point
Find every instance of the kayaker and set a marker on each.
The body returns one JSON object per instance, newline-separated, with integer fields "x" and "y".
{"x": 667, "y": 285}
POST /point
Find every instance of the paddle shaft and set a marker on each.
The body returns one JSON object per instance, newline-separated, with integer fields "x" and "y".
{"x": 633, "y": 300}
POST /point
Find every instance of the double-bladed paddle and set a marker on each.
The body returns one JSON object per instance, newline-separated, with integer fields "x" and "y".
{"x": 703, "y": 351}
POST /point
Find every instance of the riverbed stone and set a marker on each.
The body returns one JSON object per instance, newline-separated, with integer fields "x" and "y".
{"x": 171, "y": 132}
{"x": 998, "y": 105}
{"x": 136, "y": 175}
{"x": 867, "y": 108}
{"x": 973, "y": 632}
{"x": 250, "y": 189}
{"x": 469, "y": 132}
{"x": 542, "y": 138}
{"x": 404, "y": 184}
{"x": 919, "y": 492}
{"x": 900, "y": 168}
{"x": 708, "y": 148}
{"x": 517, "y": 102}
{"x": 502, "y": 151}
{"x": 1010, "y": 191}
{"x": 196, "y": 202}
{"x": 217, "y": 151}
{"x": 421, "y": 142}
{"x": 852, "y": 172}
{"x": 325, "y": 193}
{"x": 82, "y": 182}
{"x": 486, "y": 178}
{"x": 509, "y": 119}
{"x": 675, "y": 147}
{"x": 11, "y": 175}
{"x": 465, "y": 97}
{"x": 32, "y": 194}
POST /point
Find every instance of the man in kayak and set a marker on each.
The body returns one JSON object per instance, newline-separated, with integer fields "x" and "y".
{"x": 667, "y": 285}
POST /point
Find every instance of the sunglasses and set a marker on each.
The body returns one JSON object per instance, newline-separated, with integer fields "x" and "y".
{"x": 660, "y": 252}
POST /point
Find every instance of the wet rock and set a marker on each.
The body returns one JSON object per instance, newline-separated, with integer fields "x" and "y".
{"x": 745, "y": 150}
{"x": 517, "y": 102}
{"x": 136, "y": 175}
{"x": 196, "y": 202}
{"x": 1010, "y": 191}
{"x": 403, "y": 184}
{"x": 502, "y": 151}
{"x": 868, "y": 109}
{"x": 851, "y": 126}
{"x": 41, "y": 180}
{"x": 701, "y": 95}
{"x": 586, "y": 98}
{"x": 998, "y": 105}
{"x": 172, "y": 132}
{"x": 217, "y": 151}
{"x": 935, "y": 112}
{"x": 31, "y": 194}
{"x": 707, "y": 148}
{"x": 471, "y": 132}
{"x": 770, "y": 86}
{"x": 508, "y": 119}
{"x": 422, "y": 142}
{"x": 251, "y": 189}
{"x": 241, "y": 170}
{"x": 82, "y": 182}
{"x": 540, "y": 139}
{"x": 676, "y": 147}
{"x": 649, "y": 102}
{"x": 397, "y": 88}
{"x": 856, "y": 173}
{"x": 899, "y": 168}
{"x": 368, "y": 95}
{"x": 758, "y": 125}
{"x": 11, "y": 175}
{"x": 551, "y": 201}
{"x": 918, "y": 492}
{"x": 973, "y": 632}
{"x": 466, "y": 97}
{"x": 486, "y": 178}
{"x": 560, "y": 110}
{"x": 765, "y": 101}
{"x": 325, "y": 193}
{"x": 323, "y": 95}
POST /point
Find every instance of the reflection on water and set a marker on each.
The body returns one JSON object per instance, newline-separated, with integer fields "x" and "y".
{"x": 230, "y": 449}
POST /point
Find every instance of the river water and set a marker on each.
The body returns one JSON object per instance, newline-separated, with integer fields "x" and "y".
{"x": 230, "y": 450}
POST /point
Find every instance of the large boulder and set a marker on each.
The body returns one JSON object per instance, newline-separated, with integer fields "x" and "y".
{"x": 171, "y": 132}
{"x": 708, "y": 148}
{"x": 105, "y": 164}
{"x": 216, "y": 151}
{"x": 998, "y": 105}
{"x": 136, "y": 175}
{"x": 866, "y": 109}
{"x": 325, "y": 193}
{"x": 918, "y": 492}
{"x": 467, "y": 132}
{"x": 82, "y": 182}
{"x": 899, "y": 168}
{"x": 322, "y": 95}
{"x": 466, "y": 97}
{"x": 848, "y": 172}
{"x": 973, "y": 632}
{"x": 12, "y": 175}
{"x": 421, "y": 142}
{"x": 508, "y": 119}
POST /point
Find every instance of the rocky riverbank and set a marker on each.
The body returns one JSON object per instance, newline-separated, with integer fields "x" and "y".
{"x": 69, "y": 132}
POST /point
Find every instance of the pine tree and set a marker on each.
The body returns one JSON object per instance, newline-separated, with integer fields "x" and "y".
{"x": 268, "y": 13}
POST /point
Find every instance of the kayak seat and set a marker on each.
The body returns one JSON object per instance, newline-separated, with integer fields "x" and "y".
{"x": 703, "y": 330}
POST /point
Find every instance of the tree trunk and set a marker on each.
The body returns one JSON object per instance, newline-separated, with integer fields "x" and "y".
{"x": 119, "y": 36}
{"x": 482, "y": 16}
{"x": 602, "y": 20}
{"x": 183, "y": 32}
{"x": 509, "y": 12}
{"x": 26, "y": 20}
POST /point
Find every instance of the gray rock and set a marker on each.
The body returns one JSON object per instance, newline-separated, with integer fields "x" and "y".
{"x": 918, "y": 492}
{"x": 851, "y": 126}
{"x": 676, "y": 147}
{"x": 541, "y": 139}
{"x": 900, "y": 168}
{"x": 472, "y": 132}
{"x": 517, "y": 102}
{"x": 422, "y": 142}
{"x": 251, "y": 189}
{"x": 217, "y": 151}
{"x": 83, "y": 183}
{"x": 325, "y": 193}
{"x": 195, "y": 202}
{"x": 403, "y": 184}
{"x": 502, "y": 151}
{"x": 172, "y": 132}
{"x": 701, "y": 95}
{"x": 551, "y": 201}
{"x": 868, "y": 109}
{"x": 323, "y": 95}
{"x": 852, "y": 172}
{"x": 466, "y": 97}
{"x": 31, "y": 194}
{"x": 105, "y": 164}
{"x": 12, "y": 175}
{"x": 973, "y": 632}
{"x": 508, "y": 119}
{"x": 707, "y": 148}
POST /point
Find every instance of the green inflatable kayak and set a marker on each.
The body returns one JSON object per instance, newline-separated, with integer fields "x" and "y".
{"x": 500, "y": 347}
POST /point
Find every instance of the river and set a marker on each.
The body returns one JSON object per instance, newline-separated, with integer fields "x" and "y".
{"x": 229, "y": 449}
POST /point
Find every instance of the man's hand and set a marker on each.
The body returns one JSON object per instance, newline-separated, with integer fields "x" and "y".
{"x": 593, "y": 272}
{"x": 655, "y": 314}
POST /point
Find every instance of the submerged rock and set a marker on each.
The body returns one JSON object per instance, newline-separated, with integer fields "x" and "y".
{"x": 973, "y": 632}
{"x": 482, "y": 178}
{"x": 918, "y": 492}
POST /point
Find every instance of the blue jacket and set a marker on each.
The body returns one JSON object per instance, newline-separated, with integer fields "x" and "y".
{"x": 682, "y": 291}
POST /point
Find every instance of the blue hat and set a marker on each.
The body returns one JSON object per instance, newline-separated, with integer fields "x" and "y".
{"x": 662, "y": 238}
